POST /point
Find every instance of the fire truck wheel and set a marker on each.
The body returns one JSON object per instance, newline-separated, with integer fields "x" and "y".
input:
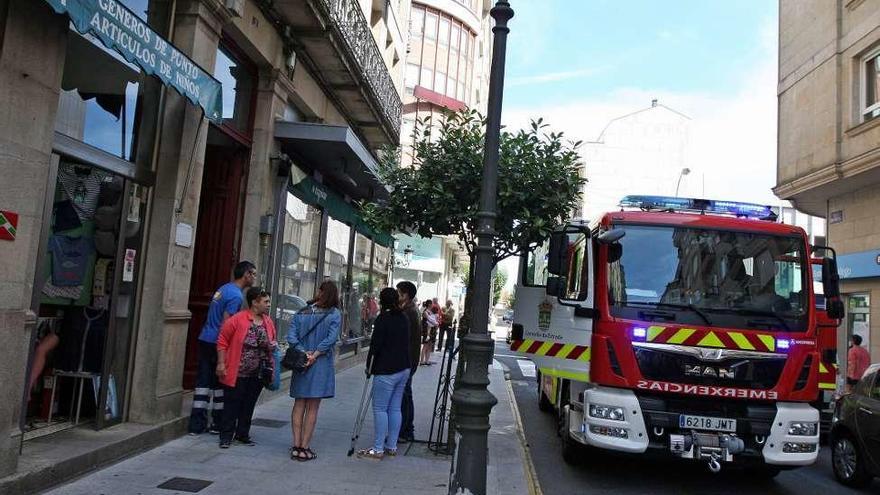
{"x": 544, "y": 404}
{"x": 572, "y": 452}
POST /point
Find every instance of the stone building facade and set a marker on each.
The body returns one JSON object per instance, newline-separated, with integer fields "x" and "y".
{"x": 130, "y": 190}
{"x": 829, "y": 141}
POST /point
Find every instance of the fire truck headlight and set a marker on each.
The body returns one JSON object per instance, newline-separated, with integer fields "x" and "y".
{"x": 803, "y": 429}
{"x": 606, "y": 412}
{"x": 798, "y": 448}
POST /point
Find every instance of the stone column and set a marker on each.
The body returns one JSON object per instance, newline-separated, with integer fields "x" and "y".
{"x": 262, "y": 177}
{"x": 163, "y": 319}
{"x": 32, "y": 48}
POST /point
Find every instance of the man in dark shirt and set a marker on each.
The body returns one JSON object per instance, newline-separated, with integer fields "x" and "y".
{"x": 407, "y": 292}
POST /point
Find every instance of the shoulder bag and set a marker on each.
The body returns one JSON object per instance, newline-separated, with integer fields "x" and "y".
{"x": 295, "y": 359}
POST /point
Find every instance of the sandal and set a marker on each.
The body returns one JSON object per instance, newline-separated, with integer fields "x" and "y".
{"x": 310, "y": 454}
{"x": 296, "y": 454}
{"x": 370, "y": 453}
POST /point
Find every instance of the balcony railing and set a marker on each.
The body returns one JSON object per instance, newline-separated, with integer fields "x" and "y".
{"x": 347, "y": 19}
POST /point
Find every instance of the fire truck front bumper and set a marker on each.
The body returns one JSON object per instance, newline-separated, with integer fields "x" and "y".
{"x": 610, "y": 419}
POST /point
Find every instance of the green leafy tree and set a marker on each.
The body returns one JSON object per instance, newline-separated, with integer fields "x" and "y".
{"x": 499, "y": 278}
{"x": 539, "y": 185}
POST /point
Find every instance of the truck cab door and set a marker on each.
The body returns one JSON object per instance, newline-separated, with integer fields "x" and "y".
{"x": 553, "y": 324}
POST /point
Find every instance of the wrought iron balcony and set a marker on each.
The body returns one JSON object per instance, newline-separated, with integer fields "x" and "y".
{"x": 335, "y": 41}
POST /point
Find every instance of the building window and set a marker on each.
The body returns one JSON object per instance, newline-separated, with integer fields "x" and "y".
{"x": 440, "y": 83}
{"x": 431, "y": 26}
{"x": 362, "y": 308}
{"x": 416, "y": 21}
{"x": 871, "y": 84}
{"x": 427, "y": 78}
{"x": 412, "y": 75}
{"x": 444, "y": 32}
{"x": 238, "y": 82}
{"x": 336, "y": 261}
{"x": 298, "y": 268}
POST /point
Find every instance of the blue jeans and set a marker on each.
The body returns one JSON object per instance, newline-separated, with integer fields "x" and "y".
{"x": 387, "y": 396}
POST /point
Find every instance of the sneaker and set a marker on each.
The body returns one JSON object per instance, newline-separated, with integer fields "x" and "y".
{"x": 245, "y": 441}
{"x": 213, "y": 430}
{"x": 404, "y": 439}
{"x": 224, "y": 445}
{"x": 194, "y": 433}
{"x": 391, "y": 452}
{"x": 370, "y": 454}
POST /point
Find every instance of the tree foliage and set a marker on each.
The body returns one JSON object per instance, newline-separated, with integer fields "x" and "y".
{"x": 539, "y": 184}
{"x": 499, "y": 279}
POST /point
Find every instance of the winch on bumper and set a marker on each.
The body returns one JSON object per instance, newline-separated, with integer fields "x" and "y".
{"x": 782, "y": 433}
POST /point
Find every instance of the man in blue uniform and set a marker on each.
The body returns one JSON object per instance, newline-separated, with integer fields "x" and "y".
{"x": 227, "y": 301}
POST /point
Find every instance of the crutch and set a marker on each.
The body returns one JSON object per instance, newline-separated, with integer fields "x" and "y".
{"x": 361, "y": 414}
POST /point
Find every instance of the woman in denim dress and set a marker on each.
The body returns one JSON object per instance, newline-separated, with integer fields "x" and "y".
{"x": 314, "y": 331}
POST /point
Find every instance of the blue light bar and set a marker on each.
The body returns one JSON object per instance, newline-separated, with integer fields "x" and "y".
{"x": 783, "y": 344}
{"x": 734, "y": 208}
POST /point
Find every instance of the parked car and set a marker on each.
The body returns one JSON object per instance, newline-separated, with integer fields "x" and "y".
{"x": 855, "y": 432}
{"x": 507, "y": 317}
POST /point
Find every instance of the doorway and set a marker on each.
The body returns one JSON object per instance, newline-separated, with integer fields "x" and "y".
{"x": 218, "y": 235}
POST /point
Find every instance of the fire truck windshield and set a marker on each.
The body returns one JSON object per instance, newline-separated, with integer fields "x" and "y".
{"x": 710, "y": 277}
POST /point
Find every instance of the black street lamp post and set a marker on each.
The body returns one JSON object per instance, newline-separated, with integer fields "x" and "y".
{"x": 472, "y": 400}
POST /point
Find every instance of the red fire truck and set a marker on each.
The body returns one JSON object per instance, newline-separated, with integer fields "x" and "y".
{"x": 679, "y": 327}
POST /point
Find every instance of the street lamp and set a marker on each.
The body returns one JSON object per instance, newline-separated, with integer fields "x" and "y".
{"x": 471, "y": 399}
{"x": 684, "y": 172}
{"x": 407, "y": 257}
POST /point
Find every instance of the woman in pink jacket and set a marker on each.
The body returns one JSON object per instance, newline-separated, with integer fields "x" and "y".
{"x": 244, "y": 347}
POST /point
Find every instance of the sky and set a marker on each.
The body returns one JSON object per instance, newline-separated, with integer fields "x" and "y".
{"x": 580, "y": 63}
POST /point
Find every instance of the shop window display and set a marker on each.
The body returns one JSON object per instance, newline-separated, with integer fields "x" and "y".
{"x": 299, "y": 262}
{"x": 336, "y": 261}
{"x": 80, "y": 263}
{"x": 363, "y": 308}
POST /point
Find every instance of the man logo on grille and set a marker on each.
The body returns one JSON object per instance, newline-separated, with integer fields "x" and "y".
{"x": 708, "y": 371}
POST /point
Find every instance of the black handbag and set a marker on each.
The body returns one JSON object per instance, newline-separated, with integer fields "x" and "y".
{"x": 295, "y": 359}
{"x": 267, "y": 374}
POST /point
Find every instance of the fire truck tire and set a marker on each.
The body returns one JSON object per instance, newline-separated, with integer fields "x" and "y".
{"x": 544, "y": 404}
{"x": 572, "y": 452}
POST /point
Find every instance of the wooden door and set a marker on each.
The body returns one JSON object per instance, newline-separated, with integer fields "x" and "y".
{"x": 217, "y": 240}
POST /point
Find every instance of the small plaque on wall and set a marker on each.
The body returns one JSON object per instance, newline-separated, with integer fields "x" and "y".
{"x": 8, "y": 225}
{"x": 835, "y": 217}
{"x": 184, "y": 235}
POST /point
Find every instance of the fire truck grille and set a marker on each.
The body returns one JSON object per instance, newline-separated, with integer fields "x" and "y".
{"x": 667, "y": 366}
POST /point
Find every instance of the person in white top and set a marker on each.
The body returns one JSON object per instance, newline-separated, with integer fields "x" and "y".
{"x": 430, "y": 323}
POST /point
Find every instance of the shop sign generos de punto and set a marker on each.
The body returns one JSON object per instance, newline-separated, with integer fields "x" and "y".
{"x": 121, "y": 30}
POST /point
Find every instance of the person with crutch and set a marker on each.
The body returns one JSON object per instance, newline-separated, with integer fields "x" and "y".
{"x": 388, "y": 361}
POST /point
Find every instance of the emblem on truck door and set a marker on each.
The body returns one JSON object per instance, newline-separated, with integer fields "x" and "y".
{"x": 708, "y": 371}
{"x": 545, "y": 310}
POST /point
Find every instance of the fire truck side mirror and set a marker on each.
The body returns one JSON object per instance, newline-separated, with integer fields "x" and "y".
{"x": 830, "y": 280}
{"x": 554, "y": 286}
{"x": 557, "y": 253}
{"x": 611, "y": 236}
{"x": 835, "y": 310}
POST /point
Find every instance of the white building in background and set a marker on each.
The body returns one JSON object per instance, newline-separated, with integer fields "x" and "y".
{"x": 643, "y": 152}
{"x": 434, "y": 265}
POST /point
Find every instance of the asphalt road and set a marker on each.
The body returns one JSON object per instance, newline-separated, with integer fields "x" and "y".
{"x": 619, "y": 474}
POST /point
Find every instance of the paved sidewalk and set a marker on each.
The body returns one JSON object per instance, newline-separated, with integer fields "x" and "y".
{"x": 266, "y": 468}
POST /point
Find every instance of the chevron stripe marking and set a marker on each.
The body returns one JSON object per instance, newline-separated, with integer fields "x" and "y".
{"x": 536, "y": 344}
{"x": 768, "y": 341}
{"x": 554, "y": 349}
{"x": 585, "y": 356}
{"x": 542, "y": 351}
{"x": 741, "y": 341}
{"x": 654, "y": 331}
{"x": 681, "y": 335}
{"x": 566, "y": 350}
{"x": 710, "y": 340}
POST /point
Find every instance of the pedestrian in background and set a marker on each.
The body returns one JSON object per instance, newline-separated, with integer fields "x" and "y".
{"x": 430, "y": 322}
{"x": 407, "y": 292}
{"x": 226, "y": 301}
{"x": 244, "y": 353}
{"x": 447, "y": 320}
{"x": 388, "y": 363}
{"x": 857, "y": 361}
{"x": 313, "y": 330}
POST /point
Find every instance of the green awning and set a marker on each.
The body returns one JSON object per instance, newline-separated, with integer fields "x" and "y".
{"x": 120, "y": 29}
{"x": 314, "y": 193}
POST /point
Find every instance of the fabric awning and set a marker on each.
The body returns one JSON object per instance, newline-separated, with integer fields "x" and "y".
{"x": 314, "y": 193}
{"x": 121, "y": 30}
{"x": 337, "y": 153}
